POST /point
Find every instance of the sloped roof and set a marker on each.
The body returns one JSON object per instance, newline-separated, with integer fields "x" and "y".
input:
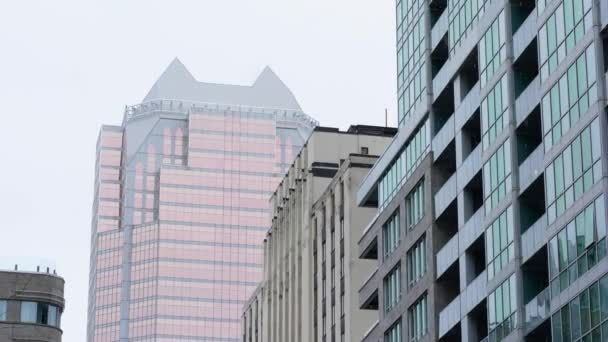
{"x": 177, "y": 83}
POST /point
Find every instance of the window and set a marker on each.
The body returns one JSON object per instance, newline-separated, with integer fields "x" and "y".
{"x": 585, "y": 318}
{"x": 391, "y": 232}
{"x": 462, "y": 15}
{"x": 411, "y": 73}
{"x": 578, "y": 246}
{"x": 2, "y": 310}
{"x": 494, "y": 112}
{"x": 28, "y": 312}
{"x": 560, "y": 33}
{"x": 570, "y": 98}
{"x": 492, "y": 50}
{"x": 394, "y": 333}
{"x": 499, "y": 243}
{"x": 392, "y": 288}
{"x": 416, "y": 262}
{"x": 364, "y": 150}
{"x": 502, "y": 307}
{"x": 573, "y": 172}
{"x": 418, "y": 319}
{"x": 402, "y": 168}
{"x": 497, "y": 176}
{"x": 414, "y": 206}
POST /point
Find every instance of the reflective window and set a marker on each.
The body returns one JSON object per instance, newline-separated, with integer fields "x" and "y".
{"x": 462, "y": 15}
{"x": 414, "y": 205}
{"x": 394, "y": 333}
{"x": 502, "y": 307}
{"x": 560, "y": 33}
{"x": 499, "y": 243}
{"x": 418, "y": 319}
{"x": 497, "y": 176}
{"x": 494, "y": 112}
{"x": 578, "y": 246}
{"x": 585, "y": 318}
{"x": 392, "y": 288}
{"x": 29, "y": 312}
{"x": 404, "y": 165}
{"x": 2, "y": 310}
{"x": 573, "y": 172}
{"x": 41, "y": 313}
{"x": 492, "y": 50}
{"x": 416, "y": 261}
{"x": 570, "y": 98}
{"x": 391, "y": 234}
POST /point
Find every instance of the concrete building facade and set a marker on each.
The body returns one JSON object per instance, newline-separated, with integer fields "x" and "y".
{"x": 311, "y": 266}
{"x": 496, "y": 180}
{"x": 31, "y": 305}
{"x": 181, "y": 206}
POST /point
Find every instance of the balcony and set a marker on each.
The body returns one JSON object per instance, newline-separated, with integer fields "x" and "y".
{"x": 604, "y": 13}
{"x": 443, "y": 137}
{"x": 533, "y": 239}
{"x": 445, "y": 195}
{"x": 531, "y": 168}
{"x": 368, "y": 293}
{"x": 472, "y": 229}
{"x": 469, "y": 168}
{"x": 370, "y": 334}
{"x": 449, "y": 316}
{"x": 368, "y": 243}
{"x": 439, "y": 30}
{"x": 447, "y": 255}
{"x": 527, "y": 101}
{"x": 467, "y": 107}
{"x": 537, "y": 310}
{"x": 524, "y": 35}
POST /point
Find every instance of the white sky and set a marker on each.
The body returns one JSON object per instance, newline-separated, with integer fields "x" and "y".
{"x": 68, "y": 66}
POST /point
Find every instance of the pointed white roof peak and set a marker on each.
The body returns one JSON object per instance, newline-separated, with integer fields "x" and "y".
{"x": 177, "y": 83}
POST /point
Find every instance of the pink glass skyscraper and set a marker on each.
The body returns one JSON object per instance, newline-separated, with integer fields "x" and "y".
{"x": 181, "y": 206}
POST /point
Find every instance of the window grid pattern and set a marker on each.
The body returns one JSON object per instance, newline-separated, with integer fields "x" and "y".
{"x": 570, "y": 98}
{"x": 573, "y": 172}
{"x": 394, "y": 333}
{"x": 494, "y": 112}
{"x": 392, "y": 288}
{"x": 2, "y": 310}
{"x": 497, "y": 176}
{"x": 585, "y": 318}
{"x": 414, "y": 206}
{"x": 418, "y": 319}
{"x": 499, "y": 243}
{"x": 502, "y": 308}
{"x": 391, "y": 232}
{"x": 402, "y": 168}
{"x": 578, "y": 246}
{"x": 462, "y": 15}
{"x": 416, "y": 262}
{"x": 492, "y": 49}
{"x": 560, "y": 33}
{"x": 411, "y": 72}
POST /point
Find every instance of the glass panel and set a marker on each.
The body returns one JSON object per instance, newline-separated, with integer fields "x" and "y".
{"x": 29, "y": 312}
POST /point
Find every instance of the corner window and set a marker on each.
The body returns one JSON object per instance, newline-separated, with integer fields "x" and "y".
{"x": 41, "y": 313}
{"x": 28, "y": 312}
{"x": 2, "y": 310}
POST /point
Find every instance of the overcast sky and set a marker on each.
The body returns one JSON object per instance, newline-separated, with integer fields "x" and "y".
{"x": 68, "y": 66}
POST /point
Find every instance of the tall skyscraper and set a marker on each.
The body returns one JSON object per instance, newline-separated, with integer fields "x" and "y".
{"x": 182, "y": 206}
{"x": 491, "y": 199}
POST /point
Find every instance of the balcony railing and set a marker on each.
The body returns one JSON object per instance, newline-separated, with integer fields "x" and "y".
{"x": 531, "y": 168}
{"x": 469, "y": 168}
{"x": 533, "y": 238}
{"x": 443, "y": 137}
{"x": 537, "y": 310}
{"x": 524, "y": 35}
{"x": 472, "y": 229}
{"x": 439, "y": 29}
{"x": 447, "y": 255}
{"x": 527, "y": 100}
{"x": 445, "y": 195}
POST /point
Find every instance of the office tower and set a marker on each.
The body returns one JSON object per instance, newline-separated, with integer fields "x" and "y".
{"x": 181, "y": 206}
{"x": 492, "y": 197}
{"x": 311, "y": 267}
{"x": 31, "y": 302}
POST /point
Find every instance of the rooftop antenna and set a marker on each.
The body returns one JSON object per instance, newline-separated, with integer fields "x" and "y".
{"x": 385, "y": 117}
